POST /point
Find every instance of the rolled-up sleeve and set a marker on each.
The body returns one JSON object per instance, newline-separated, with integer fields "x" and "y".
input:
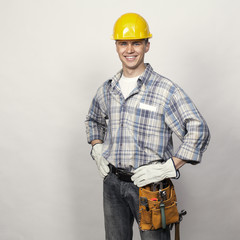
{"x": 95, "y": 122}
{"x": 187, "y": 123}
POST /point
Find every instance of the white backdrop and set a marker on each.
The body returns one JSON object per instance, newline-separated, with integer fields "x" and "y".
{"x": 53, "y": 56}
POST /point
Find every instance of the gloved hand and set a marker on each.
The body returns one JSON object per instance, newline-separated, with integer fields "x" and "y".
{"x": 154, "y": 173}
{"x": 101, "y": 162}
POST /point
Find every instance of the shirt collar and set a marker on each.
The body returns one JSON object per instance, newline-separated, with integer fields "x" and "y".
{"x": 143, "y": 79}
{"x": 115, "y": 79}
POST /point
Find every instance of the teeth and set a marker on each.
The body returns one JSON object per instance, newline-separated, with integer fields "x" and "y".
{"x": 130, "y": 57}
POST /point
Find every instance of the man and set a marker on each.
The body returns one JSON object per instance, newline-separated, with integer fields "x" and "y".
{"x": 130, "y": 125}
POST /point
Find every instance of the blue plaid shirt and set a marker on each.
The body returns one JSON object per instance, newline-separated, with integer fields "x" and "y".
{"x": 138, "y": 130}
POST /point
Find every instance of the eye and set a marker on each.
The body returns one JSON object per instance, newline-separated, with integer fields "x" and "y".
{"x": 122, "y": 43}
{"x": 137, "y": 43}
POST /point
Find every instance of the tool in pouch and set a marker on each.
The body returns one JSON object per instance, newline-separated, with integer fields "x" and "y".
{"x": 158, "y": 207}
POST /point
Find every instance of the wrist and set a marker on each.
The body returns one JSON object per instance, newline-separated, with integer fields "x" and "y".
{"x": 178, "y": 162}
{"x": 97, "y": 141}
{"x": 175, "y": 168}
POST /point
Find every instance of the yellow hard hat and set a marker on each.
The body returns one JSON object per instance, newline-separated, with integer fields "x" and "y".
{"x": 131, "y": 26}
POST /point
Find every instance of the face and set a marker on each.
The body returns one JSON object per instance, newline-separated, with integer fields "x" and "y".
{"x": 131, "y": 53}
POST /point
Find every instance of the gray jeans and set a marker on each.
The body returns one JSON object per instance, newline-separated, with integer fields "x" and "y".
{"x": 121, "y": 206}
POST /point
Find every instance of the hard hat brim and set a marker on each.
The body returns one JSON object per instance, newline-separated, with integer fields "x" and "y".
{"x": 130, "y": 38}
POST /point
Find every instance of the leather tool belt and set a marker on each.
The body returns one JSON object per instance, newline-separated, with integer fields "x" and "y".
{"x": 158, "y": 207}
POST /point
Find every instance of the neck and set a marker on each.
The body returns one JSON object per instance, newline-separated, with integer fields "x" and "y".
{"x": 130, "y": 73}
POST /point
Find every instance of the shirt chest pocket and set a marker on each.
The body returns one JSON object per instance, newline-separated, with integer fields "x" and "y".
{"x": 148, "y": 119}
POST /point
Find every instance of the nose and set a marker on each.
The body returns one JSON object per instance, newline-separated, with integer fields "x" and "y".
{"x": 130, "y": 48}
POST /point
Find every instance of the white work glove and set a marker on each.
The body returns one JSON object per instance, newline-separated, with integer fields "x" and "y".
{"x": 101, "y": 162}
{"x": 154, "y": 173}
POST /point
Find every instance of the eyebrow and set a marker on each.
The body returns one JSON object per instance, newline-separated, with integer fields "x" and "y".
{"x": 122, "y": 41}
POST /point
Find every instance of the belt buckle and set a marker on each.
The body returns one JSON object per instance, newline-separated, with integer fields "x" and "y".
{"x": 123, "y": 175}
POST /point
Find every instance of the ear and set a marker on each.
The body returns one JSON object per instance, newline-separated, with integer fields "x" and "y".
{"x": 147, "y": 47}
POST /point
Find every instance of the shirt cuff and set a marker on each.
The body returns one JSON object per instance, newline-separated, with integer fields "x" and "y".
{"x": 94, "y": 136}
{"x": 189, "y": 154}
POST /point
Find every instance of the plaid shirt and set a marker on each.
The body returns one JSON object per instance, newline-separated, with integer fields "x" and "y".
{"x": 138, "y": 130}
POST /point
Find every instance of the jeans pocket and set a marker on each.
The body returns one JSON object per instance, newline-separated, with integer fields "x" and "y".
{"x": 106, "y": 177}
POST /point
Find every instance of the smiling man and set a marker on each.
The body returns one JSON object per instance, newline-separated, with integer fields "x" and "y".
{"x": 134, "y": 148}
{"x": 131, "y": 54}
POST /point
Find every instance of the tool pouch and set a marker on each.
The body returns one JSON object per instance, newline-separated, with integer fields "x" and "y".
{"x": 155, "y": 210}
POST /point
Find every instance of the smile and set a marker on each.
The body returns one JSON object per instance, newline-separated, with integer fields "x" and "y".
{"x": 130, "y": 58}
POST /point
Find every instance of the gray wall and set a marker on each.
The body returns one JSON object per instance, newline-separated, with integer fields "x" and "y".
{"x": 54, "y": 55}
